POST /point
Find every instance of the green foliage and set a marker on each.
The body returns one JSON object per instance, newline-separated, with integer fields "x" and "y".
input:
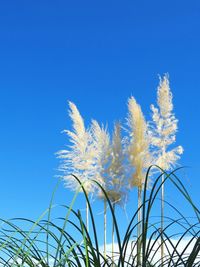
{"x": 51, "y": 242}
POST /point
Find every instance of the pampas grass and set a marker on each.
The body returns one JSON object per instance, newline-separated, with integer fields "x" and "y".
{"x": 139, "y": 156}
{"x": 163, "y": 134}
{"x": 120, "y": 162}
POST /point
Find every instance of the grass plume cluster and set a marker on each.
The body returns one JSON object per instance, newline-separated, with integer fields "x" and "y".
{"x": 123, "y": 158}
{"x": 120, "y": 163}
{"x": 108, "y": 167}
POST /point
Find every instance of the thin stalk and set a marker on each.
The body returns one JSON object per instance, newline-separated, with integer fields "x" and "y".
{"x": 162, "y": 219}
{"x": 162, "y": 210}
{"x": 87, "y": 217}
{"x": 113, "y": 236}
{"x": 139, "y": 215}
{"x": 105, "y": 226}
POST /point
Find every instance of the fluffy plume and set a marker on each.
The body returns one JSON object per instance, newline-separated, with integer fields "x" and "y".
{"x": 78, "y": 159}
{"x": 117, "y": 173}
{"x": 164, "y": 128}
{"x": 110, "y": 156}
{"x": 138, "y": 146}
{"x": 102, "y": 147}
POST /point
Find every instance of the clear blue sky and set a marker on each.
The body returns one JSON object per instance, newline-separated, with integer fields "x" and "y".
{"x": 96, "y": 54}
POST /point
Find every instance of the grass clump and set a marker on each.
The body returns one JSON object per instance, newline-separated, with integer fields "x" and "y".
{"x": 66, "y": 241}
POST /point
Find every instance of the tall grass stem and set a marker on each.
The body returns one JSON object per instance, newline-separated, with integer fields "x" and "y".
{"x": 139, "y": 227}
{"x": 87, "y": 217}
{"x": 113, "y": 235}
{"x": 162, "y": 219}
{"x": 105, "y": 226}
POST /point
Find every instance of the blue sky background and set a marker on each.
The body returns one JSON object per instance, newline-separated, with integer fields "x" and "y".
{"x": 96, "y": 54}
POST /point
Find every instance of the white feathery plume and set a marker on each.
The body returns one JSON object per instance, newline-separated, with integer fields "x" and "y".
{"x": 164, "y": 128}
{"x": 78, "y": 159}
{"x": 102, "y": 148}
{"x": 138, "y": 146}
{"x": 118, "y": 179}
{"x": 109, "y": 161}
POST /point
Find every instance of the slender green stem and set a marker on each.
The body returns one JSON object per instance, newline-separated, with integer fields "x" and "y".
{"x": 162, "y": 209}
{"x": 113, "y": 236}
{"x": 162, "y": 219}
{"x": 105, "y": 226}
{"x": 139, "y": 227}
{"x": 87, "y": 217}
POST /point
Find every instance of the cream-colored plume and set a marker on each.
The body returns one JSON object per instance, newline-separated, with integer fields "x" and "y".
{"x": 110, "y": 157}
{"x": 138, "y": 146}
{"x": 118, "y": 184}
{"x": 79, "y": 158}
{"x": 102, "y": 148}
{"x": 164, "y": 128}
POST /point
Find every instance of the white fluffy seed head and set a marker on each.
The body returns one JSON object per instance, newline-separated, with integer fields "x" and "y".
{"x": 109, "y": 162}
{"x": 164, "y": 97}
{"x": 78, "y": 159}
{"x": 163, "y": 128}
{"x": 138, "y": 147}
